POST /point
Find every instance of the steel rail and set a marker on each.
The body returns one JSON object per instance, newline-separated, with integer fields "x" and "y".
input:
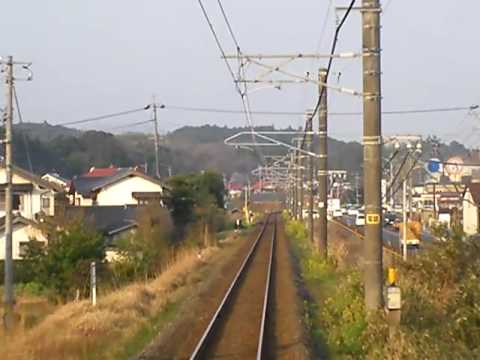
{"x": 202, "y": 344}
{"x": 267, "y": 293}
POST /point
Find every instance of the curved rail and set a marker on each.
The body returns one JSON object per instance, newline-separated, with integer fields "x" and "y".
{"x": 222, "y": 308}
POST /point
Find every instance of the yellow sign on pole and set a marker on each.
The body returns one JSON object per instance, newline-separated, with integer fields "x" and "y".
{"x": 373, "y": 219}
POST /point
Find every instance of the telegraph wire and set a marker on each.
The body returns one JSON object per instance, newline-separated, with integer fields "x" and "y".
{"x": 103, "y": 117}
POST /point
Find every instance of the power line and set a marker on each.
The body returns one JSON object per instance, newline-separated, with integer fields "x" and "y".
{"x": 131, "y": 125}
{"x": 103, "y": 117}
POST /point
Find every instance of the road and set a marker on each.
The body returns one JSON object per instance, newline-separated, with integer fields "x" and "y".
{"x": 391, "y": 237}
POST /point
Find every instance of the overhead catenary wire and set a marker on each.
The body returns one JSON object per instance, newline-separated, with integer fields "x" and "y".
{"x": 390, "y": 186}
{"x": 296, "y": 113}
{"x": 229, "y": 25}
{"x": 329, "y": 66}
{"x": 243, "y": 94}
{"x": 417, "y": 158}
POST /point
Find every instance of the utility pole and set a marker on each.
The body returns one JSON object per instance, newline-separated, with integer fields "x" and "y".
{"x": 309, "y": 142}
{"x": 405, "y": 221}
{"x": 323, "y": 167}
{"x": 300, "y": 180}
{"x": 157, "y": 140}
{"x": 372, "y": 142}
{"x": 9, "y": 297}
{"x": 294, "y": 183}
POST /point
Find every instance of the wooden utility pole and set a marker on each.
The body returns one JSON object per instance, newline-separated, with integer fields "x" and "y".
{"x": 372, "y": 147}
{"x": 9, "y": 296}
{"x": 323, "y": 168}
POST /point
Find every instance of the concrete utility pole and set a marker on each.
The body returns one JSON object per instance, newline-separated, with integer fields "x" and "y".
{"x": 300, "y": 180}
{"x": 372, "y": 145}
{"x": 294, "y": 183}
{"x": 9, "y": 296}
{"x": 405, "y": 221}
{"x": 323, "y": 168}
{"x": 311, "y": 165}
{"x": 157, "y": 140}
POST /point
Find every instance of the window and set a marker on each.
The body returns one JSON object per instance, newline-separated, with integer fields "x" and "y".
{"x": 22, "y": 248}
{"x": 45, "y": 203}
{"x": 16, "y": 202}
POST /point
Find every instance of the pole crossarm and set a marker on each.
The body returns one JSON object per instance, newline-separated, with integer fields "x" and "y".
{"x": 271, "y": 141}
{"x": 393, "y": 139}
{"x": 306, "y": 79}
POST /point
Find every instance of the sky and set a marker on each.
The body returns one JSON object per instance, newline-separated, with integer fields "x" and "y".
{"x": 93, "y": 57}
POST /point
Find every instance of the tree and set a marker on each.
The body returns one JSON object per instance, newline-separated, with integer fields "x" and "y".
{"x": 145, "y": 252}
{"x": 63, "y": 264}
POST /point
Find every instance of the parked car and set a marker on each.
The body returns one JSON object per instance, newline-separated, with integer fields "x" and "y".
{"x": 389, "y": 218}
{"x": 306, "y": 212}
{"x": 337, "y": 213}
{"x": 360, "y": 219}
{"x": 353, "y": 211}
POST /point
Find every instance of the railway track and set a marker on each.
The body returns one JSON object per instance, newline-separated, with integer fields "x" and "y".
{"x": 239, "y": 326}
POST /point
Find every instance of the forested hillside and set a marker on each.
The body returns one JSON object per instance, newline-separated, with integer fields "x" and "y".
{"x": 71, "y": 152}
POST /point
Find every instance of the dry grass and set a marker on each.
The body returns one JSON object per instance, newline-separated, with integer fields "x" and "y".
{"x": 78, "y": 331}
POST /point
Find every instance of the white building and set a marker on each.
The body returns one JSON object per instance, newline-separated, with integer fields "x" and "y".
{"x": 124, "y": 187}
{"x": 33, "y": 197}
{"x": 24, "y": 231}
{"x": 31, "y": 194}
{"x": 471, "y": 203}
{"x": 56, "y": 179}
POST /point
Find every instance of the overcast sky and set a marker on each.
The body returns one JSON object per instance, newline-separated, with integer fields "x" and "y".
{"x": 95, "y": 57}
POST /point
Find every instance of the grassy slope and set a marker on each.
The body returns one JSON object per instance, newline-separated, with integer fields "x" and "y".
{"x": 120, "y": 325}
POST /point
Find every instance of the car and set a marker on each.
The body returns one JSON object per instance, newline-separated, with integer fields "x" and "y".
{"x": 389, "y": 218}
{"x": 306, "y": 212}
{"x": 352, "y": 212}
{"x": 360, "y": 219}
{"x": 337, "y": 213}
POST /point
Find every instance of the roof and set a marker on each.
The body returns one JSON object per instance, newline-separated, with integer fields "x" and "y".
{"x": 266, "y": 197}
{"x": 474, "y": 189}
{"x": 86, "y": 185}
{"x": 101, "y": 172}
{"x": 107, "y": 220}
{"x": 18, "y": 219}
{"x": 35, "y": 178}
{"x": 57, "y": 177}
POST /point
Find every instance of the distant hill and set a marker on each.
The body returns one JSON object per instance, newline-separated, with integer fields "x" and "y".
{"x": 45, "y": 131}
{"x": 189, "y": 149}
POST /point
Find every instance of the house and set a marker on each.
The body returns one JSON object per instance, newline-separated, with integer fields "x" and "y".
{"x": 33, "y": 198}
{"x": 32, "y": 195}
{"x": 112, "y": 222}
{"x": 114, "y": 187}
{"x": 24, "y": 231}
{"x": 56, "y": 179}
{"x": 471, "y": 203}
